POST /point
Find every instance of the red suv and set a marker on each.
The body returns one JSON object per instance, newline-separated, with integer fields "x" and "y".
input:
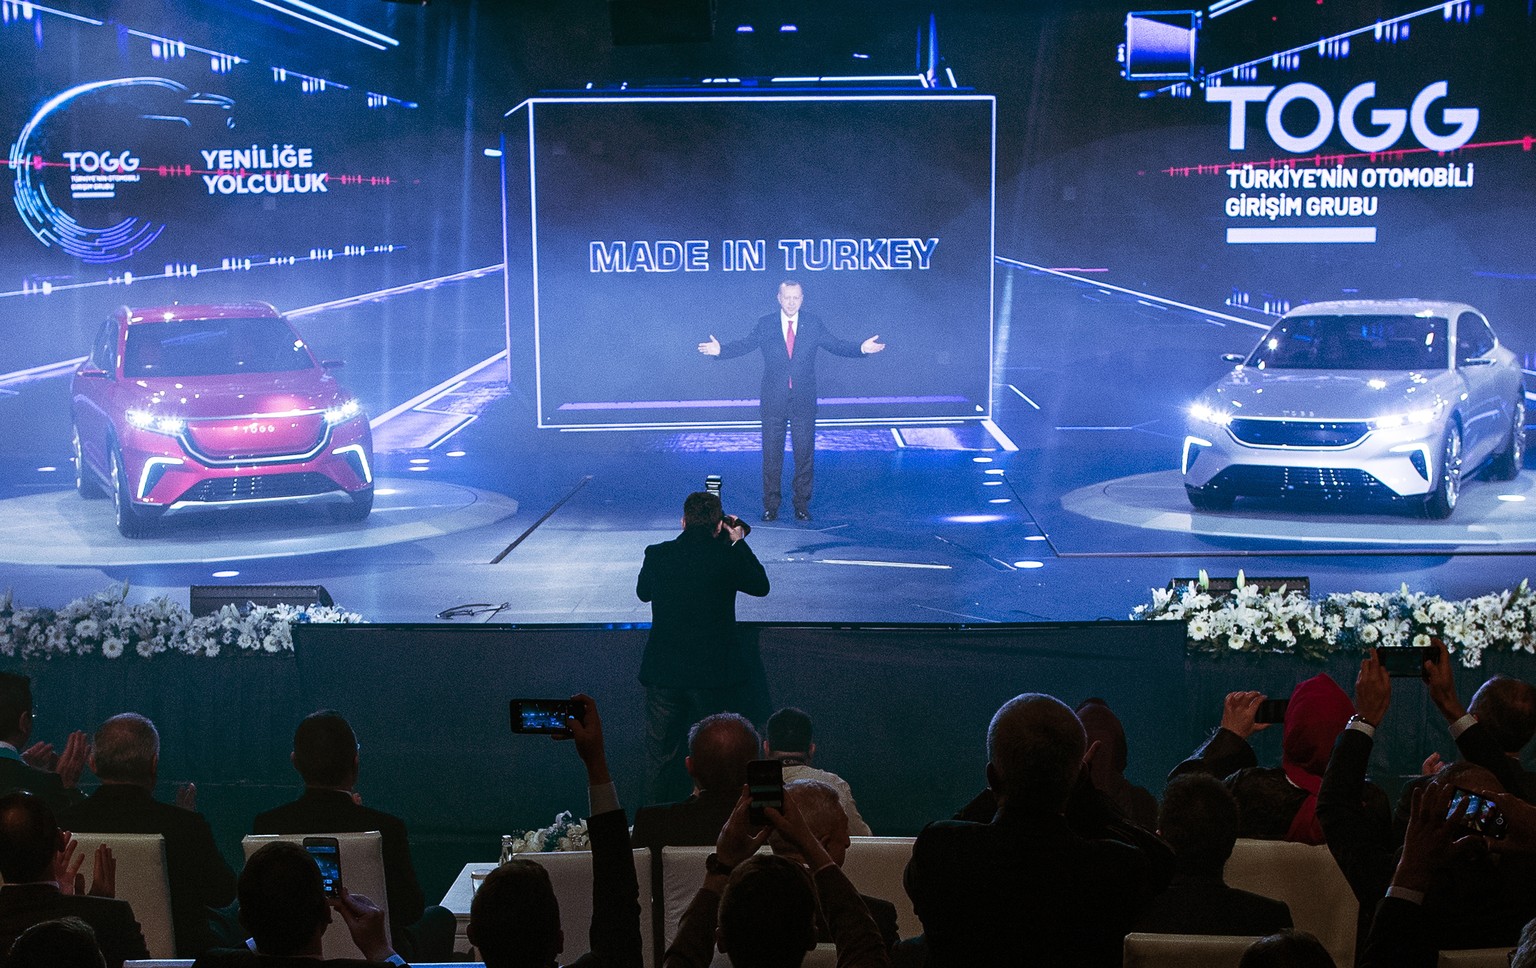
{"x": 213, "y": 406}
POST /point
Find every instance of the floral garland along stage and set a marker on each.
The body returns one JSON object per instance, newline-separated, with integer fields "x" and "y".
{"x": 107, "y": 624}
{"x": 566, "y": 833}
{"x": 1248, "y": 619}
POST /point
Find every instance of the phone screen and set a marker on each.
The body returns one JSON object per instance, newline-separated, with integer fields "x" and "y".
{"x": 327, "y": 855}
{"x": 765, "y": 780}
{"x": 1405, "y": 660}
{"x": 544, "y": 715}
{"x": 1483, "y": 815}
{"x": 1271, "y": 711}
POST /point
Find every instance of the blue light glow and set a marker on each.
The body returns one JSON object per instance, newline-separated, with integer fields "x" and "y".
{"x": 975, "y": 518}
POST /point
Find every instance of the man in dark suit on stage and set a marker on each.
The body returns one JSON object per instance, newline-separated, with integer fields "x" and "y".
{"x": 325, "y": 752}
{"x": 34, "y": 855}
{"x": 36, "y": 768}
{"x": 789, "y": 340}
{"x": 126, "y": 756}
{"x": 693, "y": 664}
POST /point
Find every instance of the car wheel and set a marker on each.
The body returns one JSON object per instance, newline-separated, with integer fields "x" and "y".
{"x": 357, "y": 508}
{"x": 132, "y": 521}
{"x": 86, "y": 484}
{"x": 1507, "y": 462}
{"x": 1442, "y": 500}
{"x": 1205, "y": 499}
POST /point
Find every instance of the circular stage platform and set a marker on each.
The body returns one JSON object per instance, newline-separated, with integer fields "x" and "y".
{"x": 1489, "y": 514}
{"x": 61, "y": 528}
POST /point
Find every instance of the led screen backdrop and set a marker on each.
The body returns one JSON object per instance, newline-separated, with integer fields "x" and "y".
{"x": 652, "y": 224}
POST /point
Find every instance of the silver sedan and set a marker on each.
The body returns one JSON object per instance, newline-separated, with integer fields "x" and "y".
{"x": 1358, "y": 399}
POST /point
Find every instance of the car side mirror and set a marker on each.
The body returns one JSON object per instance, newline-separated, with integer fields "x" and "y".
{"x": 1233, "y": 357}
{"x": 333, "y": 364}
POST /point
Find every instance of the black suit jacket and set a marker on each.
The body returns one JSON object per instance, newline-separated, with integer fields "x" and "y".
{"x": 198, "y": 875}
{"x": 615, "y": 931}
{"x": 1026, "y": 891}
{"x": 694, "y": 822}
{"x": 118, "y": 934}
{"x": 333, "y": 812}
{"x": 811, "y": 334}
{"x": 691, "y": 583}
{"x": 1206, "y": 905}
{"x": 17, "y": 775}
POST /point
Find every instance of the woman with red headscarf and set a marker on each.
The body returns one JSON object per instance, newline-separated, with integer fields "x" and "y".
{"x": 1280, "y": 803}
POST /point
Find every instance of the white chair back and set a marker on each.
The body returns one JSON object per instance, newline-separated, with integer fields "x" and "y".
{"x": 1186, "y": 950}
{"x": 682, "y": 874}
{"x": 1308, "y": 880}
{"x": 877, "y": 867}
{"x": 362, "y": 871}
{"x": 570, "y": 874}
{"x": 141, "y": 881}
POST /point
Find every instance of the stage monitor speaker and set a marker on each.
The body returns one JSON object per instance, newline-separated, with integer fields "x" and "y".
{"x": 207, "y": 599}
{"x": 662, "y": 21}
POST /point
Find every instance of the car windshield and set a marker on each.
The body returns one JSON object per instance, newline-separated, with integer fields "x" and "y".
{"x": 1354, "y": 342}
{"x": 213, "y": 347}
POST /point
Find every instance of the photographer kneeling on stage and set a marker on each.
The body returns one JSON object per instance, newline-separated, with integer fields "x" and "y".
{"x": 693, "y": 664}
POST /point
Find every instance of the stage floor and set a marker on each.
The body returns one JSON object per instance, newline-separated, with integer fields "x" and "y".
{"x": 1067, "y": 506}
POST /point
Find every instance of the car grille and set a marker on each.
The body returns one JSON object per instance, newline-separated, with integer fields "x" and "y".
{"x": 257, "y": 487}
{"x": 1312, "y": 482}
{"x": 1298, "y": 433}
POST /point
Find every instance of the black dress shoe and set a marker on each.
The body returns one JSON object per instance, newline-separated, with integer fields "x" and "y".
{"x": 771, "y": 515}
{"x": 802, "y": 514}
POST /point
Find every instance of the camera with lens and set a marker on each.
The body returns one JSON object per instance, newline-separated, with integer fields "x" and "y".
{"x": 712, "y": 485}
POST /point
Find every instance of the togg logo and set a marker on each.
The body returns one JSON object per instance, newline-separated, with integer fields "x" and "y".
{"x": 93, "y": 161}
{"x": 1392, "y": 121}
{"x": 258, "y": 428}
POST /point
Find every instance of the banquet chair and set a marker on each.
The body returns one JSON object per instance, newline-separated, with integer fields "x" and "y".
{"x": 362, "y": 871}
{"x": 1474, "y": 958}
{"x": 682, "y": 874}
{"x": 141, "y": 881}
{"x": 1308, "y": 880}
{"x": 1185, "y": 950}
{"x": 570, "y": 874}
{"x": 877, "y": 866}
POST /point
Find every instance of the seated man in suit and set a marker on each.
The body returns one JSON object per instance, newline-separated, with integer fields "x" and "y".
{"x": 325, "y": 752}
{"x": 822, "y": 810}
{"x": 719, "y": 749}
{"x": 64, "y": 943}
{"x": 1028, "y": 888}
{"x": 283, "y": 906}
{"x": 35, "y": 858}
{"x": 514, "y": 920}
{"x": 789, "y": 741}
{"x": 126, "y": 756}
{"x": 1199, "y": 820}
{"x": 36, "y": 768}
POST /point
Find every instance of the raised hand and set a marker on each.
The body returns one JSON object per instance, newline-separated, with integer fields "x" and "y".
{"x": 1373, "y": 690}
{"x": 104, "y": 874}
{"x": 40, "y": 756}
{"x": 186, "y": 796}
{"x": 1238, "y": 712}
{"x": 738, "y": 839}
{"x": 66, "y": 865}
{"x": 588, "y": 734}
{"x": 365, "y": 923}
{"x": 1441, "y": 679}
{"x": 72, "y": 761}
{"x": 712, "y": 348}
{"x": 872, "y": 345}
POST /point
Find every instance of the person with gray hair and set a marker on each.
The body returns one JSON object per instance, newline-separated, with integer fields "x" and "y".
{"x": 126, "y": 757}
{"x": 1034, "y": 886}
{"x": 719, "y": 749}
{"x": 822, "y": 810}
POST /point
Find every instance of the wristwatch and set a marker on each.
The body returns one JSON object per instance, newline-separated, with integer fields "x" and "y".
{"x": 714, "y": 865}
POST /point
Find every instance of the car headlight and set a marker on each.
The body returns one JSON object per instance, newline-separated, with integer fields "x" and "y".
{"x": 156, "y": 423}
{"x": 342, "y": 412}
{"x": 1409, "y": 418}
{"x": 1210, "y": 415}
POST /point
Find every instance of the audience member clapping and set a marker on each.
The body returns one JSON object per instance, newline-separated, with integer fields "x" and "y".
{"x": 766, "y": 906}
{"x": 36, "y": 768}
{"x": 1106, "y": 766}
{"x": 41, "y": 867}
{"x": 822, "y": 811}
{"x": 1279, "y": 803}
{"x": 1199, "y": 820}
{"x": 514, "y": 920}
{"x": 1031, "y": 887}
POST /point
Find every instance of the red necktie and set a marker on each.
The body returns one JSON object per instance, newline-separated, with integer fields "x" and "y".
{"x": 789, "y": 345}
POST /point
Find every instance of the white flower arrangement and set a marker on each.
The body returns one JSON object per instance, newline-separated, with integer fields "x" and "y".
{"x": 566, "y": 833}
{"x": 106, "y": 624}
{"x": 1247, "y": 619}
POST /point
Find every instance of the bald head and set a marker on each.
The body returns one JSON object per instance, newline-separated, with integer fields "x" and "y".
{"x": 126, "y": 750}
{"x": 1506, "y": 707}
{"x": 1035, "y": 748}
{"x": 719, "y": 749}
{"x": 822, "y": 810}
